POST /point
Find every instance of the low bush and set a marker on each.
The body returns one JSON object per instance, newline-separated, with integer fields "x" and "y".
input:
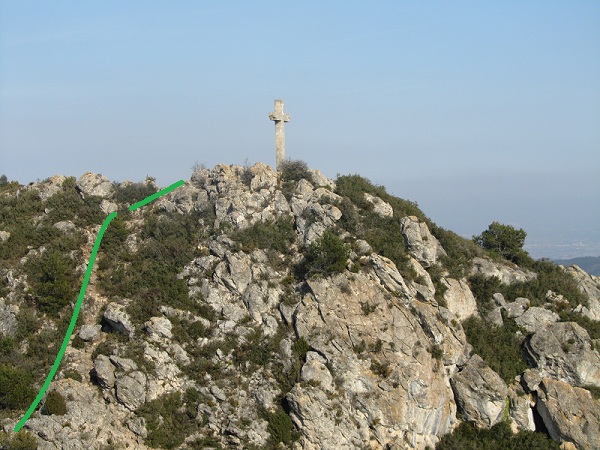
{"x": 55, "y": 404}
{"x": 15, "y": 388}
{"x": 169, "y": 420}
{"x": 499, "y": 437}
{"x": 280, "y": 427}
{"x": 23, "y": 440}
{"x": 131, "y": 193}
{"x": 277, "y": 235}
{"x": 53, "y": 281}
{"x": 294, "y": 171}
{"x": 325, "y": 257}
{"x": 499, "y": 347}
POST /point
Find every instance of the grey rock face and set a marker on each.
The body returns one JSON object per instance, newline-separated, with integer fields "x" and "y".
{"x": 422, "y": 245}
{"x": 564, "y": 351}
{"x": 506, "y": 273}
{"x": 589, "y": 285}
{"x": 90, "y": 332}
{"x": 131, "y": 390}
{"x": 95, "y": 184}
{"x": 521, "y": 411}
{"x": 104, "y": 371}
{"x": 50, "y": 186}
{"x": 480, "y": 393}
{"x": 569, "y": 413}
{"x": 160, "y": 327}
{"x": 8, "y": 319}
{"x": 381, "y": 208}
{"x": 65, "y": 226}
{"x": 117, "y": 319}
{"x": 4, "y": 235}
{"x": 384, "y": 374}
{"x": 459, "y": 298}
{"x": 90, "y": 422}
{"x": 516, "y": 308}
{"x": 536, "y": 317}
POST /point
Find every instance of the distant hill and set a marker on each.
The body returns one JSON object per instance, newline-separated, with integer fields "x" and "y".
{"x": 591, "y": 264}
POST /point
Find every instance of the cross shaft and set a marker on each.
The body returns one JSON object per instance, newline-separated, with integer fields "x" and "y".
{"x": 279, "y": 117}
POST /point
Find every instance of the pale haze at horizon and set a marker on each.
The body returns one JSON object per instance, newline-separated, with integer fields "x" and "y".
{"x": 477, "y": 111}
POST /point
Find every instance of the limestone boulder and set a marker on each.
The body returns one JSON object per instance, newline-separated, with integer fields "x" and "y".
{"x": 95, "y": 184}
{"x": 534, "y": 318}
{"x": 116, "y": 318}
{"x": 8, "y": 318}
{"x": 589, "y": 285}
{"x": 90, "y": 332}
{"x": 570, "y": 414}
{"x": 564, "y": 351}
{"x": 380, "y": 207}
{"x": 459, "y": 298}
{"x": 104, "y": 371}
{"x": 517, "y": 308}
{"x": 506, "y": 273}
{"x": 131, "y": 389}
{"x": 159, "y": 327}
{"x": 521, "y": 408}
{"x": 181, "y": 200}
{"x": 49, "y": 186}
{"x": 480, "y": 393}
{"x": 108, "y": 207}
{"x": 262, "y": 177}
{"x": 422, "y": 245}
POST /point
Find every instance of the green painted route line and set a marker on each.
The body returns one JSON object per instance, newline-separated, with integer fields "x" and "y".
{"x": 84, "y": 285}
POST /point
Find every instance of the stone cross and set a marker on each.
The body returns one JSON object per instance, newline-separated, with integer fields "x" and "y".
{"x": 280, "y": 118}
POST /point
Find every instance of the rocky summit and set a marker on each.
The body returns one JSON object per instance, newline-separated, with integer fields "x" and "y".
{"x": 258, "y": 309}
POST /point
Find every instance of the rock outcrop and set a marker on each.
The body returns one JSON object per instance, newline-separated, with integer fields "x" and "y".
{"x": 564, "y": 352}
{"x": 373, "y": 355}
{"x": 570, "y": 414}
{"x": 480, "y": 393}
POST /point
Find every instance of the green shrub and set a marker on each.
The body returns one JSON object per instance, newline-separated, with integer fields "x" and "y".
{"x": 384, "y": 234}
{"x": 325, "y": 257}
{"x": 23, "y": 440}
{"x": 294, "y": 171}
{"x": 149, "y": 276}
{"x": 499, "y": 437}
{"x": 459, "y": 251}
{"x": 55, "y": 404}
{"x": 73, "y": 375}
{"x": 300, "y": 348}
{"x": 550, "y": 277}
{"x": 15, "y": 387}
{"x": 169, "y": 420}
{"x": 354, "y": 187}
{"x": 382, "y": 369}
{"x": 131, "y": 193}
{"x": 280, "y": 427}
{"x": 483, "y": 288}
{"x": 277, "y": 235}
{"x": 54, "y": 281}
{"x": 499, "y": 347}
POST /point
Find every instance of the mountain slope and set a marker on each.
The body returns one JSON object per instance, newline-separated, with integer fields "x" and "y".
{"x": 244, "y": 310}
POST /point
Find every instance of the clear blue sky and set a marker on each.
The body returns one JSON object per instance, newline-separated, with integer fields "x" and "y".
{"x": 478, "y": 111}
